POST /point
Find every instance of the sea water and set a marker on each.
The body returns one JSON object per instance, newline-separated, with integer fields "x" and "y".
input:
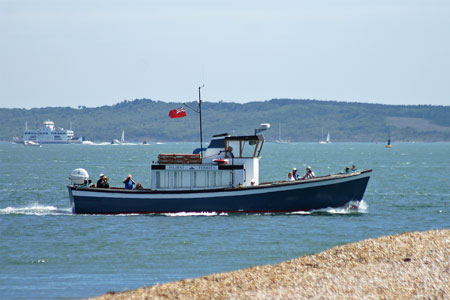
{"x": 46, "y": 252}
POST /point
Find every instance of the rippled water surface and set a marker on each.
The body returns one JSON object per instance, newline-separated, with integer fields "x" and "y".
{"x": 46, "y": 252}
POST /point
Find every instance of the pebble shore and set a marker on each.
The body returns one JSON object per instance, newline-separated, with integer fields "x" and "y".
{"x": 412, "y": 265}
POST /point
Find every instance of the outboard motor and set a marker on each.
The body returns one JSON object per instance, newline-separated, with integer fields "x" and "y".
{"x": 80, "y": 177}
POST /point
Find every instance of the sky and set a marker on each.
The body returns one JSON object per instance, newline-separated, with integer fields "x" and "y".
{"x": 94, "y": 52}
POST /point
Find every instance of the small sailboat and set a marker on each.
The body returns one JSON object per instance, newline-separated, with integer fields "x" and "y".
{"x": 122, "y": 139}
{"x": 327, "y": 141}
{"x": 280, "y": 141}
{"x": 389, "y": 145}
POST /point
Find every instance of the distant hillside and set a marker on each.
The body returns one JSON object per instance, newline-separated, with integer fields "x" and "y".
{"x": 299, "y": 120}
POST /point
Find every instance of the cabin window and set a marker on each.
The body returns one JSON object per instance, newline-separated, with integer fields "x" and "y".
{"x": 185, "y": 179}
{"x": 248, "y": 148}
{"x": 158, "y": 179}
{"x": 225, "y": 178}
{"x": 232, "y": 150}
{"x": 243, "y": 148}
{"x": 220, "y": 143}
{"x": 213, "y": 178}
{"x": 181, "y": 179}
{"x": 200, "y": 178}
{"x": 162, "y": 179}
{"x": 171, "y": 178}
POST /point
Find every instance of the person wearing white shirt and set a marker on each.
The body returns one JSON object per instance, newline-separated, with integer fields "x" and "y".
{"x": 309, "y": 173}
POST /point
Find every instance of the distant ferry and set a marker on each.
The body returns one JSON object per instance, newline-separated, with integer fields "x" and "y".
{"x": 48, "y": 134}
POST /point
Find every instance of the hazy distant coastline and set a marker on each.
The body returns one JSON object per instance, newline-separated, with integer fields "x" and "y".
{"x": 293, "y": 120}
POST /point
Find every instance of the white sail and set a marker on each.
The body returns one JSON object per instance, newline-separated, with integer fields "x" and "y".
{"x": 327, "y": 140}
{"x": 280, "y": 141}
{"x": 122, "y": 139}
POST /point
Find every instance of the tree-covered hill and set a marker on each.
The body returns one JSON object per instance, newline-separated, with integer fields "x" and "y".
{"x": 299, "y": 120}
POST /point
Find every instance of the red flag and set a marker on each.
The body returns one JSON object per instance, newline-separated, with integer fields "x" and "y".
{"x": 177, "y": 113}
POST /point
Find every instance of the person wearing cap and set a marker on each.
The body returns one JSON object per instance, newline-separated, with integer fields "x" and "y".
{"x": 100, "y": 179}
{"x": 103, "y": 182}
{"x": 309, "y": 173}
{"x": 295, "y": 174}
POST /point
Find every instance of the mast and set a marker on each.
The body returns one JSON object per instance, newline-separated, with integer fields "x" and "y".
{"x": 200, "y": 111}
{"x": 279, "y": 131}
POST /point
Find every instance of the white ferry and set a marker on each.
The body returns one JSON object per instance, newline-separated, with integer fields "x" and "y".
{"x": 48, "y": 134}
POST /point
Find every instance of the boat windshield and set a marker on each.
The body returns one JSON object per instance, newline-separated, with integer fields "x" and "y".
{"x": 243, "y": 146}
{"x": 219, "y": 143}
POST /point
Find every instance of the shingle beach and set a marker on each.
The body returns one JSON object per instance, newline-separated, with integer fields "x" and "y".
{"x": 405, "y": 266}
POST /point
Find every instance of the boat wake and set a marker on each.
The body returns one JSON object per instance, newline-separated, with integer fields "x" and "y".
{"x": 353, "y": 207}
{"x": 194, "y": 214}
{"x": 36, "y": 210}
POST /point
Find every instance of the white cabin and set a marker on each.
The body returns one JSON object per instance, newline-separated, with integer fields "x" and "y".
{"x": 229, "y": 161}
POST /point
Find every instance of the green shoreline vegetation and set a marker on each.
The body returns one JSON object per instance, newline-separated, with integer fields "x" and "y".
{"x": 298, "y": 121}
{"x": 404, "y": 266}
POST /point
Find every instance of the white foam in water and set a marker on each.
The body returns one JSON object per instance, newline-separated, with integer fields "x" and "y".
{"x": 300, "y": 213}
{"x": 190, "y": 214}
{"x": 350, "y": 208}
{"x": 35, "y": 209}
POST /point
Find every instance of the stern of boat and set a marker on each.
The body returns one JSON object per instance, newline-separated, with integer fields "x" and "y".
{"x": 72, "y": 202}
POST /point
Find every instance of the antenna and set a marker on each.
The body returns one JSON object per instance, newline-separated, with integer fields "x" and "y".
{"x": 262, "y": 127}
{"x": 200, "y": 111}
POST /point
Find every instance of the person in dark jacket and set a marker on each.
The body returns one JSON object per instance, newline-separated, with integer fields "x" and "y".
{"x": 103, "y": 182}
{"x": 100, "y": 179}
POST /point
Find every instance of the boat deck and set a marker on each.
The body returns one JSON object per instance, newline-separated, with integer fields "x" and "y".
{"x": 259, "y": 186}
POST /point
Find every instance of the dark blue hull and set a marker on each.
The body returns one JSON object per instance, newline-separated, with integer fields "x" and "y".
{"x": 329, "y": 191}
